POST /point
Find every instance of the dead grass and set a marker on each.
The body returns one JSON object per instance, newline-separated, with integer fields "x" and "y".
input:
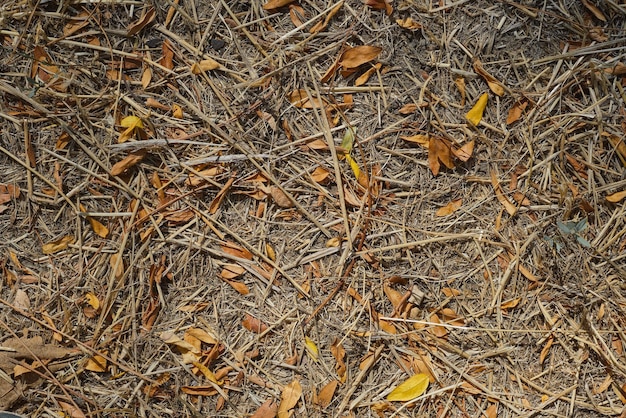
{"x": 201, "y": 280}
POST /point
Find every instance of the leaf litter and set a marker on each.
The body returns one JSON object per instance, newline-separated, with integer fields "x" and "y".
{"x": 286, "y": 208}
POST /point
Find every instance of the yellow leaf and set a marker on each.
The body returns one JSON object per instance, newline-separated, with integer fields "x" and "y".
{"x": 616, "y": 197}
{"x": 311, "y": 348}
{"x": 177, "y": 111}
{"x": 423, "y": 140}
{"x": 207, "y": 373}
{"x": 360, "y": 176}
{"x": 476, "y": 113}
{"x": 58, "y": 245}
{"x": 98, "y": 227}
{"x": 96, "y": 364}
{"x": 411, "y": 388}
{"x": 93, "y": 300}
{"x": 132, "y": 124}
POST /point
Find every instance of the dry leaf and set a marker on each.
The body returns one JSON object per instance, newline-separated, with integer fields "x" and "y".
{"x": 241, "y": 288}
{"x": 133, "y": 158}
{"x": 460, "y": 84}
{"x": 235, "y": 250}
{"x": 320, "y": 175}
{"x": 465, "y": 152}
{"x": 134, "y": 125}
{"x": 423, "y": 140}
{"x": 594, "y": 10}
{"x": 616, "y": 197}
{"x": 311, "y": 348}
{"x": 366, "y": 75}
{"x": 204, "y": 66}
{"x": 339, "y": 353}
{"x": 232, "y": 271}
{"x": 146, "y": 77}
{"x": 475, "y": 115}
{"x": 280, "y": 198}
{"x": 409, "y": 23}
{"x": 70, "y": 410}
{"x": 437, "y": 330}
{"x": 93, "y": 300}
{"x": 358, "y": 174}
{"x": 301, "y": 100}
{"x": 289, "y": 398}
{"x": 450, "y": 208}
{"x": 201, "y": 335}
{"x": 510, "y": 304}
{"x": 58, "y": 245}
{"x": 215, "y": 204}
{"x": 208, "y": 390}
{"x": 380, "y": 5}
{"x": 407, "y": 109}
{"x": 320, "y": 26}
{"x": 439, "y": 151}
{"x": 119, "y": 270}
{"x": 326, "y": 394}
{"x": 516, "y": 111}
{"x": 177, "y": 111}
{"x": 267, "y": 410}
{"x": 253, "y": 324}
{"x": 354, "y": 57}
{"x": 510, "y": 207}
{"x": 410, "y": 389}
{"x": 492, "y": 411}
{"x": 546, "y": 349}
{"x": 168, "y": 55}
{"x": 144, "y": 21}
{"x": 269, "y": 250}
{"x": 96, "y": 364}
{"x": 275, "y": 4}
{"x": 21, "y": 300}
{"x": 296, "y": 14}
{"x": 493, "y": 84}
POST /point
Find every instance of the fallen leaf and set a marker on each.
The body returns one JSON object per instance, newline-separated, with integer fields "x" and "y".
{"x": 177, "y": 111}
{"x": 475, "y": 115}
{"x": 311, "y": 348}
{"x": 204, "y": 66}
{"x": 296, "y": 14}
{"x": 300, "y": 99}
{"x": 21, "y": 300}
{"x": 510, "y": 207}
{"x": 232, "y": 271}
{"x": 217, "y": 201}
{"x": 491, "y": 411}
{"x": 339, "y": 353}
{"x": 326, "y": 394}
{"x": 235, "y": 250}
{"x": 380, "y": 5}
{"x": 93, "y": 300}
{"x": 97, "y": 364}
{"x": 510, "y": 304}
{"x": 267, "y": 410}
{"x": 409, "y": 23}
{"x": 594, "y": 10}
{"x": 208, "y": 390}
{"x": 134, "y": 125}
{"x": 450, "y": 208}
{"x": 320, "y": 175}
{"x": 275, "y": 4}
{"x": 516, "y": 111}
{"x": 616, "y": 197}
{"x": 465, "y": 152}
{"x": 133, "y": 158}
{"x": 546, "y": 349}
{"x": 241, "y": 288}
{"x": 354, "y": 57}
{"x": 438, "y": 331}
{"x": 143, "y": 21}
{"x": 423, "y": 140}
{"x": 460, "y": 84}
{"x": 319, "y": 26}
{"x": 280, "y": 198}
{"x": 366, "y": 75}
{"x": 58, "y": 245}
{"x": 119, "y": 268}
{"x": 168, "y": 55}
{"x": 146, "y": 77}
{"x": 493, "y": 84}
{"x": 439, "y": 151}
{"x": 253, "y": 324}
{"x": 289, "y": 398}
{"x": 358, "y": 174}
{"x": 410, "y": 389}
{"x": 70, "y": 410}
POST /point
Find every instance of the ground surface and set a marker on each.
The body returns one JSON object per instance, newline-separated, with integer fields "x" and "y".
{"x": 220, "y": 209}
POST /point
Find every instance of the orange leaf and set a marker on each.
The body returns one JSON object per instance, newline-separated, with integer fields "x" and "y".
{"x": 460, "y": 84}
{"x": 616, "y": 197}
{"x": 409, "y": 23}
{"x": 267, "y": 410}
{"x": 423, "y": 140}
{"x": 96, "y": 364}
{"x": 71, "y": 410}
{"x": 204, "y": 66}
{"x": 366, "y": 75}
{"x": 516, "y": 111}
{"x": 199, "y": 390}
{"x": 510, "y": 207}
{"x": 439, "y": 151}
{"x": 493, "y": 84}
{"x": 168, "y": 55}
{"x": 510, "y": 304}
{"x": 253, "y": 324}
{"x": 289, "y": 398}
{"x": 241, "y": 288}
{"x": 300, "y": 99}
{"x": 353, "y": 57}
{"x": 465, "y": 152}
{"x": 450, "y": 208}
{"x": 546, "y": 349}
{"x": 280, "y": 198}
{"x": 326, "y": 394}
{"x": 380, "y": 5}
{"x": 320, "y": 175}
{"x": 235, "y": 250}
{"x": 138, "y": 25}
{"x": 232, "y": 271}
{"x": 275, "y": 4}
{"x": 132, "y": 159}
{"x": 217, "y": 201}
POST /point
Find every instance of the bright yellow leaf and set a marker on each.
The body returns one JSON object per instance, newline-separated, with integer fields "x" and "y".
{"x": 311, "y": 348}
{"x": 93, "y": 300}
{"x": 476, "y": 113}
{"x": 360, "y": 176}
{"x": 132, "y": 124}
{"x": 411, "y": 388}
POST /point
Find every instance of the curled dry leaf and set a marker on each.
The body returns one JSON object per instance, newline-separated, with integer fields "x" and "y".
{"x": 460, "y": 84}
{"x": 366, "y": 75}
{"x": 320, "y": 26}
{"x": 58, "y": 245}
{"x": 320, "y": 175}
{"x": 475, "y": 115}
{"x": 92, "y": 300}
{"x": 134, "y": 125}
{"x": 138, "y": 25}
{"x": 253, "y": 324}
{"x": 492, "y": 82}
{"x": 354, "y": 57}
{"x": 510, "y": 207}
{"x": 410, "y": 389}
{"x": 204, "y": 66}
{"x": 280, "y": 198}
{"x": 409, "y": 23}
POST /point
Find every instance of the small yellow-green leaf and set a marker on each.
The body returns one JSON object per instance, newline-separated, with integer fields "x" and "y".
{"x": 348, "y": 140}
{"x": 413, "y": 387}
{"x": 361, "y": 177}
{"x": 476, "y": 113}
{"x": 311, "y": 348}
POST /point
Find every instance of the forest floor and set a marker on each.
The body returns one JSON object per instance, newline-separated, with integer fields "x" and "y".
{"x": 359, "y": 208}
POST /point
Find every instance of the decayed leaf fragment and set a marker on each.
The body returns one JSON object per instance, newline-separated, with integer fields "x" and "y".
{"x": 58, "y": 245}
{"x": 515, "y": 112}
{"x": 289, "y": 398}
{"x": 475, "y": 115}
{"x": 411, "y": 388}
{"x": 204, "y": 66}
